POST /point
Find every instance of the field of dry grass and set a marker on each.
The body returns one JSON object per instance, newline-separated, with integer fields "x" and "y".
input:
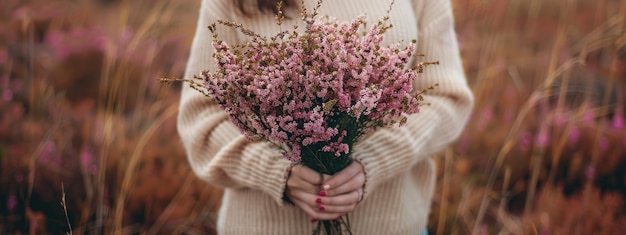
{"x": 88, "y": 141}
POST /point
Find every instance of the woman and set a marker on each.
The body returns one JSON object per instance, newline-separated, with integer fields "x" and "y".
{"x": 387, "y": 190}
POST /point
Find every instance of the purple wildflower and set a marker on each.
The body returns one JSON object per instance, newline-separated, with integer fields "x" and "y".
{"x": 526, "y": 141}
{"x": 543, "y": 138}
{"x": 49, "y": 154}
{"x": 574, "y": 135}
{"x": 87, "y": 161}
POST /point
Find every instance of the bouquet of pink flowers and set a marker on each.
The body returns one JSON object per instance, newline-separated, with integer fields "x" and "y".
{"x": 314, "y": 93}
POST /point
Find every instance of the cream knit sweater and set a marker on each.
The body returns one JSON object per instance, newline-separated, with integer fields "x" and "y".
{"x": 400, "y": 175}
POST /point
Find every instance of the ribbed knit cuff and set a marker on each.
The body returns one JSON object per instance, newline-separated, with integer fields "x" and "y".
{"x": 380, "y": 156}
{"x": 268, "y": 171}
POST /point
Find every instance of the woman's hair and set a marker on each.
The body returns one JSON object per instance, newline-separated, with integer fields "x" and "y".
{"x": 264, "y": 5}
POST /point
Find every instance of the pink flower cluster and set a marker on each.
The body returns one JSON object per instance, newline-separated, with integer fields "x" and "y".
{"x": 324, "y": 87}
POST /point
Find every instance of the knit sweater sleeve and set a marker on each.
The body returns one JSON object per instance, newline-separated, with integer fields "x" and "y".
{"x": 216, "y": 149}
{"x": 388, "y": 152}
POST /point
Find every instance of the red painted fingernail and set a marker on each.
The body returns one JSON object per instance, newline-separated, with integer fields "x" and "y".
{"x": 313, "y": 220}
{"x": 322, "y": 193}
{"x": 322, "y": 208}
{"x": 318, "y": 200}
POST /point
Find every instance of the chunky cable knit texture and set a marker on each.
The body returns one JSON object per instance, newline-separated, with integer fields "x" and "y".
{"x": 400, "y": 174}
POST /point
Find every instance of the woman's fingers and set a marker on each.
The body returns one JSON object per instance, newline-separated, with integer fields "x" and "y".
{"x": 308, "y": 198}
{"x": 349, "y": 179}
{"x": 306, "y": 174}
{"x": 313, "y": 200}
{"x": 344, "y": 175}
{"x": 305, "y": 179}
{"x": 309, "y": 175}
{"x": 317, "y": 212}
{"x": 314, "y": 205}
{"x": 354, "y": 184}
{"x": 303, "y": 188}
{"x": 347, "y": 199}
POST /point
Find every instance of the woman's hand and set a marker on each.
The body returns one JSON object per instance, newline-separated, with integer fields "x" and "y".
{"x": 324, "y": 197}
{"x": 303, "y": 189}
{"x": 344, "y": 190}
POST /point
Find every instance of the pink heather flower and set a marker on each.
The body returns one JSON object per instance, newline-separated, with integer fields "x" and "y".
{"x": 338, "y": 147}
{"x": 76, "y": 40}
{"x": 54, "y": 38}
{"x": 49, "y": 154}
{"x": 543, "y": 138}
{"x": 126, "y": 35}
{"x": 294, "y": 155}
{"x": 87, "y": 162}
{"x": 487, "y": 115}
{"x": 367, "y": 102}
{"x": 291, "y": 89}
{"x": 574, "y": 135}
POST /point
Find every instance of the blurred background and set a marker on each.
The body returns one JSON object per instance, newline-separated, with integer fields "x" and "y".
{"x": 88, "y": 143}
